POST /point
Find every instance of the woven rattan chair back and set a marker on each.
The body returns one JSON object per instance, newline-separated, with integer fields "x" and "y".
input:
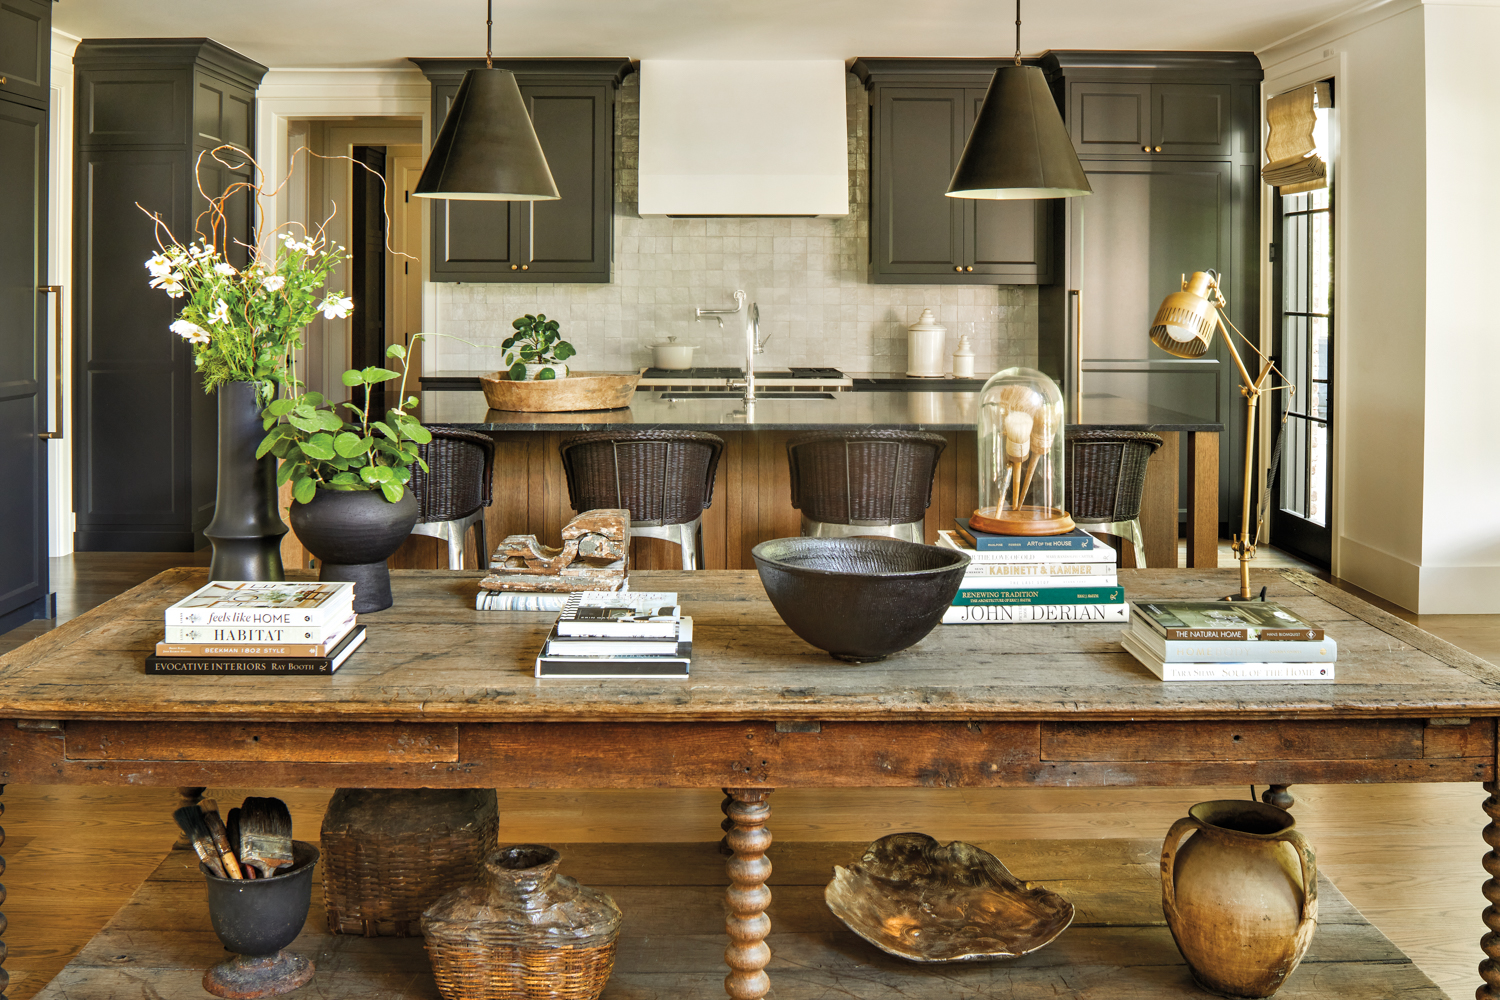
{"x": 460, "y": 476}
{"x": 1106, "y": 472}
{"x": 863, "y": 477}
{"x": 661, "y": 477}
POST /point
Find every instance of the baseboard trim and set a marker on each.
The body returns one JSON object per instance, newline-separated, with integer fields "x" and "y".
{"x": 1381, "y": 573}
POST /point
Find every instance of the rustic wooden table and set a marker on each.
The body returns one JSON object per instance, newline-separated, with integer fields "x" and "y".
{"x": 442, "y": 695}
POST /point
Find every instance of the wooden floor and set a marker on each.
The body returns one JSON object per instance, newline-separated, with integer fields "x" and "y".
{"x": 1407, "y": 856}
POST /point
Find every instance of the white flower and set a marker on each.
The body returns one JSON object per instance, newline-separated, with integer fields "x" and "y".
{"x": 169, "y": 283}
{"x": 335, "y": 307}
{"x": 191, "y": 332}
{"x": 226, "y": 269}
{"x": 159, "y": 266}
{"x": 274, "y": 283}
{"x": 220, "y": 312}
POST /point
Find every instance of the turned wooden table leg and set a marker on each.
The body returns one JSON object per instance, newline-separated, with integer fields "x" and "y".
{"x": 727, "y": 824}
{"x": 748, "y": 897}
{"x": 1278, "y": 796}
{"x": 187, "y": 796}
{"x": 1489, "y": 969}
{"x": 4, "y": 976}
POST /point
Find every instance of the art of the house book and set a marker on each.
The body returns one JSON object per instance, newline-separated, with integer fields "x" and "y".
{"x": 643, "y": 614}
{"x": 1300, "y": 673}
{"x": 1231, "y": 621}
{"x": 984, "y": 541}
{"x": 227, "y": 602}
{"x": 1099, "y": 552}
{"x": 259, "y": 665}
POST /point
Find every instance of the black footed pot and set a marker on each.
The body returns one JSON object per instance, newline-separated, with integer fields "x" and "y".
{"x": 257, "y": 919}
{"x": 247, "y": 527}
{"x": 352, "y": 533}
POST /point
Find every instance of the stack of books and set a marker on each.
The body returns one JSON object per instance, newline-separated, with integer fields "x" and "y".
{"x": 605, "y": 633}
{"x": 1228, "y": 641}
{"x": 1046, "y": 578}
{"x": 230, "y": 627}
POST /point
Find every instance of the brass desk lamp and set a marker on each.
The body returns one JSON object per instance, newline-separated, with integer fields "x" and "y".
{"x": 1184, "y": 328}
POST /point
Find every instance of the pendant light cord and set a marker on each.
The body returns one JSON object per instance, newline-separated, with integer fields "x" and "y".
{"x": 1018, "y": 32}
{"x": 489, "y": 29}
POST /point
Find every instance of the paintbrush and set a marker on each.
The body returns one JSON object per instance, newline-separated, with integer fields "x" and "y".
{"x": 221, "y": 837}
{"x": 232, "y": 830}
{"x": 265, "y": 834}
{"x": 195, "y": 828}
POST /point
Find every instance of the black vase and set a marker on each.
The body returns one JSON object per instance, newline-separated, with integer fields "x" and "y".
{"x": 247, "y": 528}
{"x": 257, "y": 919}
{"x": 352, "y": 533}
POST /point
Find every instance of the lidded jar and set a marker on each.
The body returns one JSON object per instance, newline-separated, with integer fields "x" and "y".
{"x": 1021, "y": 484}
{"x": 522, "y": 932}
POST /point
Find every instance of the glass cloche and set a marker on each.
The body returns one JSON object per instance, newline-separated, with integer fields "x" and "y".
{"x": 1021, "y": 456}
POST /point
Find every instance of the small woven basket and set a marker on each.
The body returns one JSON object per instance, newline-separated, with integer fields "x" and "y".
{"x": 390, "y": 852}
{"x": 522, "y": 932}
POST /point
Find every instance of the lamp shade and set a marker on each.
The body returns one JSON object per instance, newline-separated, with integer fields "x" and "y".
{"x": 1184, "y": 325}
{"x": 487, "y": 149}
{"x": 1019, "y": 147}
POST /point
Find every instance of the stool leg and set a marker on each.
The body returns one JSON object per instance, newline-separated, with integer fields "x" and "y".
{"x": 455, "y": 547}
{"x": 1139, "y": 541}
{"x": 688, "y": 545}
{"x": 483, "y": 561}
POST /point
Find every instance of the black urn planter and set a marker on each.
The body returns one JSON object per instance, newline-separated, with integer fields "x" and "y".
{"x": 352, "y": 533}
{"x": 246, "y": 529}
{"x": 256, "y": 919}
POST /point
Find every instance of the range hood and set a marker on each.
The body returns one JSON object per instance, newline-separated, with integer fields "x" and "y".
{"x": 737, "y": 138}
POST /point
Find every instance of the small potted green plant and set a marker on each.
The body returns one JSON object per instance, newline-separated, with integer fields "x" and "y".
{"x": 536, "y": 350}
{"x": 351, "y": 507}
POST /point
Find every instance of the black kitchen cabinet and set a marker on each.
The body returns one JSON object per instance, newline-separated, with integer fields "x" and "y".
{"x": 145, "y": 447}
{"x": 1141, "y": 119}
{"x": 572, "y": 106}
{"x": 26, "y": 403}
{"x": 921, "y": 112}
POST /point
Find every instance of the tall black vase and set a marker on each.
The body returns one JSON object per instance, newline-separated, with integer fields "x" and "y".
{"x": 247, "y": 528}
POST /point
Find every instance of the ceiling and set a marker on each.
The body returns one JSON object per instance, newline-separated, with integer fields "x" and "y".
{"x": 349, "y": 33}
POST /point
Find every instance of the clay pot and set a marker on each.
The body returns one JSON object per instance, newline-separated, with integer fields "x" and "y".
{"x": 1240, "y": 895}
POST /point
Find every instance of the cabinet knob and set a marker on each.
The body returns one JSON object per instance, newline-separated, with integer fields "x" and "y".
{"x": 958, "y": 267}
{"x": 3, "y": 81}
{"x": 969, "y": 268}
{"x": 1145, "y": 149}
{"x": 525, "y": 267}
{"x": 513, "y": 267}
{"x": 1158, "y": 149}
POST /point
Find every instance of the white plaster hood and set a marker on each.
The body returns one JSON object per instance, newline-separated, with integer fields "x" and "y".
{"x": 731, "y": 137}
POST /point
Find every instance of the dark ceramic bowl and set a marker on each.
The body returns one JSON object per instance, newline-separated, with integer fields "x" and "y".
{"x": 860, "y": 599}
{"x": 262, "y": 916}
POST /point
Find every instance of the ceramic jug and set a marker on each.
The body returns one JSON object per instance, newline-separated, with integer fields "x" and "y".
{"x": 1240, "y": 895}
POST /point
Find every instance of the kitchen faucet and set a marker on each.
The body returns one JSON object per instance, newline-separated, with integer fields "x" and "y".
{"x": 753, "y": 343}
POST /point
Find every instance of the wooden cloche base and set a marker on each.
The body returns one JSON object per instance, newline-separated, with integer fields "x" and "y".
{"x": 1022, "y": 521}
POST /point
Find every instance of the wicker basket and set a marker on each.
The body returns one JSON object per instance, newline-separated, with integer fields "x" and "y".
{"x": 522, "y": 932}
{"x": 388, "y": 853}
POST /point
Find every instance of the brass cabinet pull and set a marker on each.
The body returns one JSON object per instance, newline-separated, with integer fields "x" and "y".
{"x": 1145, "y": 149}
{"x": 969, "y": 268}
{"x": 1158, "y": 149}
{"x": 514, "y": 267}
{"x": 57, "y": 387}
{"x": 525, "y": 267}
{"x": 958, "y": 267}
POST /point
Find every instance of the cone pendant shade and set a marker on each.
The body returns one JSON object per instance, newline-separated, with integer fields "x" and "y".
{"x": 487, "y": 149}
{"x": 1019, "y": 147}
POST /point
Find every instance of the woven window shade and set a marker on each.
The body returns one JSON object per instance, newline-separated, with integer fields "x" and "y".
{"x": 1293, "y": 164}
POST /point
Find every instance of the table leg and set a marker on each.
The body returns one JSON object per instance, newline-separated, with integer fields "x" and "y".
{"x": 748, "y": 897}
{"x": 727, "y": 824}
{"x": 1278, "y": 796}
{"x": 1489, "y": 969}
{"x": 4, "y": 976}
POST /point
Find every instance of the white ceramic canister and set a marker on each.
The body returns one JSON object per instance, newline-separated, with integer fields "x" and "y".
{"x": 963, "y": 358}
{"x": 925, "y": 342}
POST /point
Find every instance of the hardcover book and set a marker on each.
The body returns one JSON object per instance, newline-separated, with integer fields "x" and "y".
{"x": 495, "y": 600}
{"x": 1016, "y": 614}
{"x": 623, "y": 658}
{"x": 1099, "y": 553}
{"x": 259, "y": 665}
{"x": 984, "y": 541}
{"x": 1301, "y": 673}
{"x": 971, "y": 593}
{"x": 258, "y": 604}
{"x": 258, "y": 642}
{"x": 1225, "y": 621}
{"x": 201, "y": 635}
{"x": 1324, "y": 650}
{"x": 610, "y": 613}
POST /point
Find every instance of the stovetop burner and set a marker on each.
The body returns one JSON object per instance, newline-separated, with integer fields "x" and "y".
{"x": 669, "y": 373}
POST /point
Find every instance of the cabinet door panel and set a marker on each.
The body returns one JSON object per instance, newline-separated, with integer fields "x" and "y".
{"x": 25, "y": 42}
{"x": 1192, "y": 118}
{"x": 133, "y": 107}
{"x": 1109, "y": 119}
{"x": 570, "y": 236}
{"x": 919, "y": 230}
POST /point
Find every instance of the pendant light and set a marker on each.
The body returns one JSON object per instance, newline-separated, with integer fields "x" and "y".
{"x": 1019, "y": 147}
{"x": 487, "y": 149}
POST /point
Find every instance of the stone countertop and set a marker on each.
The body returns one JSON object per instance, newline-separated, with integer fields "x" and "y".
{"x": 926, "y": 410}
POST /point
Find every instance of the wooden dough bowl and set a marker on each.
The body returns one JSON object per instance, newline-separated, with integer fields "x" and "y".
{"x": 579, "y": 391}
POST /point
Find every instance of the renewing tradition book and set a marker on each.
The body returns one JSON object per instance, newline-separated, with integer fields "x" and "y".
{"x": 1014, "y": 614}
{"x": 984, "y": 541}
{"x": 1300, "y": 673}
{"x": 1098, "y": 553}
{"x": 972, "y": 593}
{"x": 611, "y": 613}
{"x": 259, "y": 665}
{"x": 1226, "y": 621}
{"x": 226, "y": 602}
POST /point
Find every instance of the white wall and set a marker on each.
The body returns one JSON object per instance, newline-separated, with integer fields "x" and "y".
{"x": 60, "y": 272}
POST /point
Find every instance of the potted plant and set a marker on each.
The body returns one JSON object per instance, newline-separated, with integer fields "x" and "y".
{"x": 536, "y": 350}
{"x": 350, "y": 504}
{"x": 242, "y": 324}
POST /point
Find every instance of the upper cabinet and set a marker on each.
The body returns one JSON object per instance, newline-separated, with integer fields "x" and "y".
{"x": 572, "y": 106}
{"x": 25, "y": 44}
{"x": 1140, "y": 119}
{"x": 921, "y": 112}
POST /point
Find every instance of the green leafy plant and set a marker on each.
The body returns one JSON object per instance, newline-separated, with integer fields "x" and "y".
{"x": 535, "y": 342}
{"x": 321, "y": 447}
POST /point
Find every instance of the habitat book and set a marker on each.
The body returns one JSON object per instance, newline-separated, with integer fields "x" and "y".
{"x": 257, "y": 642}
{"x": 983, "y": 541}
{"x": 610, "y": 613}
{"x": 1298, "y": 673}
{"x": 618, "y": 658}
{"x": 259, "y": 665}
{"x": 1033, "y": 614}
{"x": 981, "y": 593}
{"x": 202, "y": 635}
{"x": 1100, "y": 553}
{"x": 1226, "y": 621}
{"x": 263, "y": 604}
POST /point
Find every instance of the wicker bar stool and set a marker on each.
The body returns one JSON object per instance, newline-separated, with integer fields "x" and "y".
{"x": 452, "y": 495}
{"x": 1106, "y": 477}
{"x": 864, "y": 482}
{"x": 664, "y": 478}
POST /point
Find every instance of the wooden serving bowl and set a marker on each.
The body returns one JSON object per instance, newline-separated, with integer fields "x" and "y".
{"x": 579, "y": 391}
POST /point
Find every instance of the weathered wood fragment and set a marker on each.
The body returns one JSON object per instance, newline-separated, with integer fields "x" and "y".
{"x": 595, "y": 547}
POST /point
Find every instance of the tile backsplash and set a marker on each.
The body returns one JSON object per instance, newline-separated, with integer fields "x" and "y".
{"x": 808, "y": 276}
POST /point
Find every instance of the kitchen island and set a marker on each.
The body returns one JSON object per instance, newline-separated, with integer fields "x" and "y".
{"x": 752, "y": 493}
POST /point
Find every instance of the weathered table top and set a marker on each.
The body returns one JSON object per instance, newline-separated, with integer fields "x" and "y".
{"x": 434, "y": 658}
